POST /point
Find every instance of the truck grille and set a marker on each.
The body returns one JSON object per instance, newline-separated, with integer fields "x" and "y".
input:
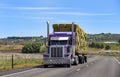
{"x": 56, "y": 51}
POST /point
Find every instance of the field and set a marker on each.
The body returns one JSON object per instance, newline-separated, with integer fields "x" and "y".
{"x": 111, "y": 54}
{"x": 10, "y": 47}
{"x": 19, "y": 61}
{"x": 94, "y": 50}
{"x": 115, "y": 47}
{"x": 27, "y": 60}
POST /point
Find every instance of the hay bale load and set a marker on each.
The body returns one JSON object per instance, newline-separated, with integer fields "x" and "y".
{"x": 80, "y": 43}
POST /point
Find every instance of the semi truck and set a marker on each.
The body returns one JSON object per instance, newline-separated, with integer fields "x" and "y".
{"x": 65, "y": 46}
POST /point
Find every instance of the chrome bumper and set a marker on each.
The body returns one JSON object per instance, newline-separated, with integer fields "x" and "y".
{"x": 52, "y": 61}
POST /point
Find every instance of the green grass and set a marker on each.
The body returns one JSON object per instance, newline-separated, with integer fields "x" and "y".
{"x": 6, "y": 64}
{"x": 115, "y": 47}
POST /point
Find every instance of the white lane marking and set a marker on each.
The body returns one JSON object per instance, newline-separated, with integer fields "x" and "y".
{"x": 116, "y": 60}
{"x": 19, "y": 72}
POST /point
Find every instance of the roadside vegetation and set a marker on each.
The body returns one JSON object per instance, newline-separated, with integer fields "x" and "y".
{"x": 19, "y": 60}
{"x": 33, "y": 47}
{"x": 110, "y": 54}
{"x": 119, "y": 41}
{"x": 10, "y": 47}
{"x": 104, "y": 46}
{"x": 36, "y": 48}
{"x": 103, "y": 37}
{"x": 103, "y": 49}
{"x": 20, "y": 63}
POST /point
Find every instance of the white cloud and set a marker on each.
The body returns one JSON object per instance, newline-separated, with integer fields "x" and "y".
{"x": 35, "y": 8}
{"x": 27, "y": 17}
{"x": 40, "y": 8}
{"x": 43, "y": 18}
{"x": 73, "y": 13}
{"x": 79, "y": 14}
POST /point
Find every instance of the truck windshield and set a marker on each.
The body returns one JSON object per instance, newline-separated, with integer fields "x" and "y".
{"x": 58, "y": 42}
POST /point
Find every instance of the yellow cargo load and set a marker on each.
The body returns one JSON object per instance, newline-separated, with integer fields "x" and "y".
{"x": 81, "y": 44}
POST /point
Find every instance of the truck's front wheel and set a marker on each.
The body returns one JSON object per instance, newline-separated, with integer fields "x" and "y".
{"x": 68, "y": 65}
{"x": 76, "y": 61}
{"x": 45, "y": 66}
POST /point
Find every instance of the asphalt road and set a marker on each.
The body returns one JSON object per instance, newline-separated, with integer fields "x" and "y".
{"x": 96, "y": 67}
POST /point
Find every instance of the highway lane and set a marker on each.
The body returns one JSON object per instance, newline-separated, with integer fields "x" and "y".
{"x": 96, "y": 67}
{"x": 117, "y": 60}
{"x": 108, "y": 67}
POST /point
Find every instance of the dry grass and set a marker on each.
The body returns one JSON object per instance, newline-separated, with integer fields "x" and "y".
{"x": 94, "y": 50}
{"x": 10, "y": 47}
{"x": 20, "y": 60}
{"x": 21, "y": 63}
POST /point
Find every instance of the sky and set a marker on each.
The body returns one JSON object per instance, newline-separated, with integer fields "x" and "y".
{"x": 28, "y": 17}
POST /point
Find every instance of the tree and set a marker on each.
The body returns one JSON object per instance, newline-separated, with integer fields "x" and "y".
{"x": 102, "y": 33}
{"x": 107, "y": 47}
{"x": 42, "y": 49}
{"x": 92, "y": 44}
{"x": 97, "y": 45}
{"x": 31, "y": 47}
{"x": 119, "y": 41}
{"x": 102, "y": 46}
{"x": 27, "y": 48}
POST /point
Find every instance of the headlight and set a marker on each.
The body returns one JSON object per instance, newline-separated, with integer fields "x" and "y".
{"x": 50, "y": 60}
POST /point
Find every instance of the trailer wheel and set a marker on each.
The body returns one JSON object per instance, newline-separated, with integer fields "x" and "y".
{"x": 85, "y": 58}
{"x": 80, "y": 59}
{"x": 76, "y": 62}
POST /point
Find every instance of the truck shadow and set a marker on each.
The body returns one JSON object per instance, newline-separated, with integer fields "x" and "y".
{"x": 52, "y": 66}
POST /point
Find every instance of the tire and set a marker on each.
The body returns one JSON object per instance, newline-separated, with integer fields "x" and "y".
{"x": 69, "y": 65}
{"x": 45, "y": 66}
{"x": 80, "y": 59}
{"x": 85, "y": 59}
{"x": 76, "y": 61}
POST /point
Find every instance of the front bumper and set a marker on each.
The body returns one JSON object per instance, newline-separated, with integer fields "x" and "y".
{"x": 56, "y": 61}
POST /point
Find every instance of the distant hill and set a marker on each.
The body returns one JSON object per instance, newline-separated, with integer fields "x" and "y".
{"x": 22, "y": 40}
{"x": 103, "y": 37}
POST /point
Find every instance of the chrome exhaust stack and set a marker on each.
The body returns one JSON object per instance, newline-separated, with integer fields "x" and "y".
{"x": 47, "y": 40}
{"x": 73, "y": 40}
